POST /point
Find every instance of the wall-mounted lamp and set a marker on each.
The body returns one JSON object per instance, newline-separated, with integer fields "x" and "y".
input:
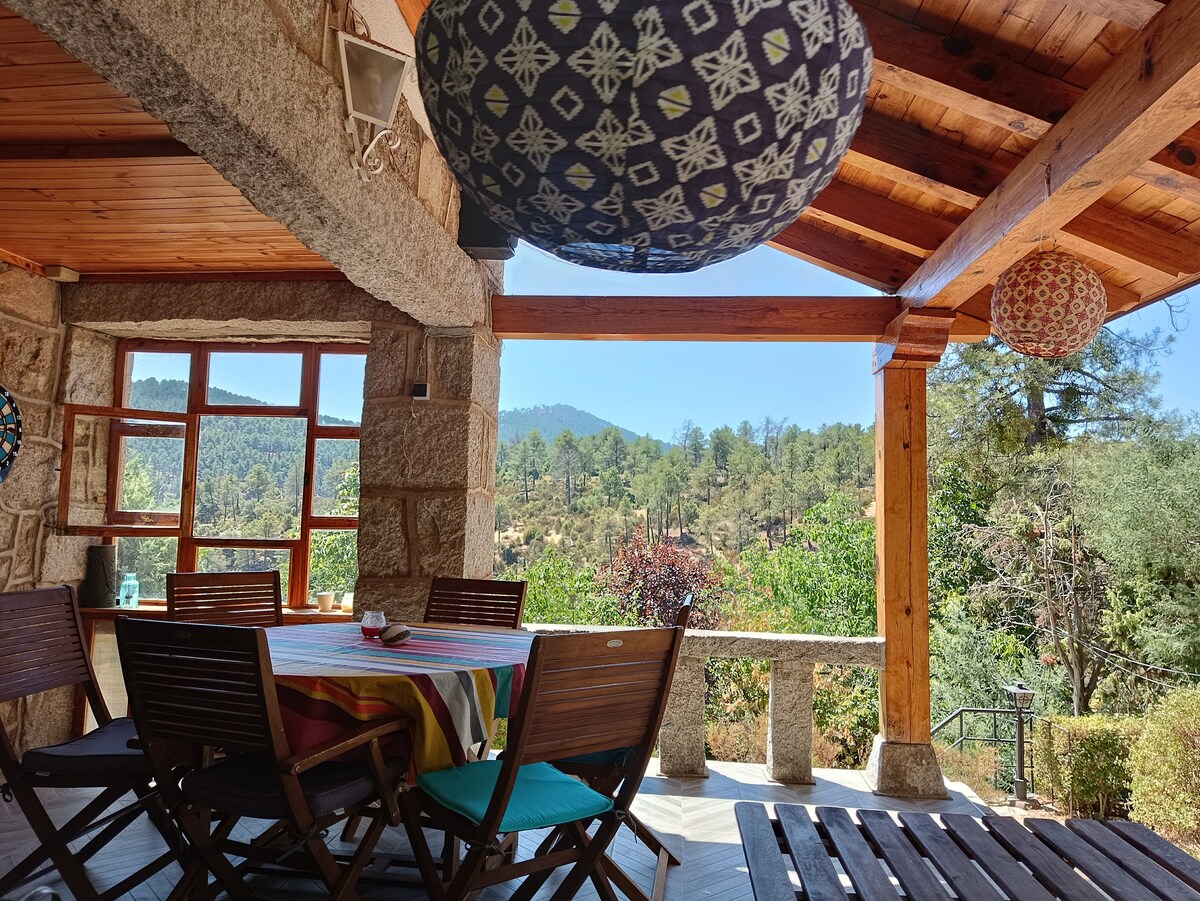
{"x": 373, "y": 76}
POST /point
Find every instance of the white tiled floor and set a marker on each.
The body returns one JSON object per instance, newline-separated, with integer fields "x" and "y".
{"x": 694, "y": 816}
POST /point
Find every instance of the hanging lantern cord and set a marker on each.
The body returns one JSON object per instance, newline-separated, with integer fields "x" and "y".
{"x": 1044, "y": 235}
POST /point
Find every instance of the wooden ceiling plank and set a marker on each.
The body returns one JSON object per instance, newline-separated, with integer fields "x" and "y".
{"x": 47, "y": 75}
{"x": 1002, "y": 91}
{"x": 1163, "y": 251}
{"x": 844, "y": 256}
{"x": 1134, "y": 13}
{"x": 1150, "y": 93}
{"x": 693, "y": 318}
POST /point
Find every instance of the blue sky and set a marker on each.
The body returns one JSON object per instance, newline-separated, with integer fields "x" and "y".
{"x": 652, "y": 387}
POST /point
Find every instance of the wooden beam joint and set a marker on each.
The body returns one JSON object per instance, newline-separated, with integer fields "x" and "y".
{"x": 916, "y": 339}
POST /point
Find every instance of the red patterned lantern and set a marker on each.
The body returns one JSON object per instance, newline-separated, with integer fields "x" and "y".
{"x": 1048, "y": 304}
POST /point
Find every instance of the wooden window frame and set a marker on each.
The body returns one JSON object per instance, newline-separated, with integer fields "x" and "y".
{"x": 200, "y": 353}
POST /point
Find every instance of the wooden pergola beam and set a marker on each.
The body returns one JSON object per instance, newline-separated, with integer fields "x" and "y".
{"x": 693, "y": 318}
{"x": 910, "y": 156}
{"x": 595, "y": 318}
{"x": 129, "y": 150}
{"x": 871, "y": 266}
{"x": 1149, "y": 94}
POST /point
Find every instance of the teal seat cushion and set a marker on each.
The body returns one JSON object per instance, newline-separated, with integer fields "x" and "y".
{"x": 543, "y": 796}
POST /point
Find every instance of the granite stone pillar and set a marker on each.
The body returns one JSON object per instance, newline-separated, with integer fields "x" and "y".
{"x": 428, "y": 466}
{"x": 681, "y": 741}
{"x": 790, "y": 723}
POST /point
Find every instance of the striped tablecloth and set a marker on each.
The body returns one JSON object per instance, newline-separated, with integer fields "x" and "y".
{"x": 452, "y": 680}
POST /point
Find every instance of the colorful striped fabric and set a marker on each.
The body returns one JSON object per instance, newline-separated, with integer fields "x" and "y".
{"x": 453, "y": 681}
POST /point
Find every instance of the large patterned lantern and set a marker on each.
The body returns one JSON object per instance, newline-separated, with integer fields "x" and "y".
{"x": 643, "y": 135}
{"x": 1048, "y": 304}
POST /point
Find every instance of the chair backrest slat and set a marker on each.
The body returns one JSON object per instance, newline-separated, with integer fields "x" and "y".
{"x": 201, "y": 684}
{"x": 476, "y": 602}
{"x": 587, "y": 693}
{"x": 231, "y": 599}
{"x": 41, "y": 646}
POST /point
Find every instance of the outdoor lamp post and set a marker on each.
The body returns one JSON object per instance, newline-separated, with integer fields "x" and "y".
{"x": 1021, "y": 697}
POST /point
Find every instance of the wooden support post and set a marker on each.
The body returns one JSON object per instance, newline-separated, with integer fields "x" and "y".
{"x": 901, "y": 480}
{"x": 902, "y": 760}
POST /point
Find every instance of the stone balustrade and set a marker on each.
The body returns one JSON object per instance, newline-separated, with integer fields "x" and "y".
{"x": 794, "y": 659}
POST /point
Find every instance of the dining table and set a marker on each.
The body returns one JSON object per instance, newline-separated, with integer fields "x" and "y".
{"x": 452, "y": 681}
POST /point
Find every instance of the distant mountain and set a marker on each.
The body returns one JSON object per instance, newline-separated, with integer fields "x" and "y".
{"x": 171, "y": 395}
{"x": 550, "y": 420}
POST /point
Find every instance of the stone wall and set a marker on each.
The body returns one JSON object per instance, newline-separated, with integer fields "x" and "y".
{"x": 428, "y": 466}
{"x": 44, "y": 364}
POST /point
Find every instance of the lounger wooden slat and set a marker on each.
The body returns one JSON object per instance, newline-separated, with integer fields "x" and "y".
{"x": 905, "y": 862}
{"x": 1001, "y": 866}
{"x": 1133, "y": 861}
{"x": 818, "y": 877}
{"x": 1075, "y": 851}
{"x": 967, "y": 880}
{"x": 1047, "y": 866}
{"x": 859, "y": 861}
{"x": 1161, "y": 851}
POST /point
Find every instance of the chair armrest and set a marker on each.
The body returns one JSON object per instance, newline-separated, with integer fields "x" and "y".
{"x": 340, "y": 744}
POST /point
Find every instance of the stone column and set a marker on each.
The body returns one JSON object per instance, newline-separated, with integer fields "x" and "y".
{"x": 428, "y": 466}
{"x": 790, "y": 722}
{"x": 681, "y": 741}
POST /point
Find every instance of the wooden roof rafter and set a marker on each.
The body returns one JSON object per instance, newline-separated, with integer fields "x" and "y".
{"x": 1147, "y": 97}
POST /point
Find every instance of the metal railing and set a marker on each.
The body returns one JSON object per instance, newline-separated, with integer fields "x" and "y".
{"x": 1006, "y": 775}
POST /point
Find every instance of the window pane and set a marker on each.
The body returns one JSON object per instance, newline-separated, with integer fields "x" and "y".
{"x": 158, "y": 381}
{"x": 335, "y": 490}
{"x": 246, "y": 559}
{"x": 340, "y": 393}
{"x": 333, "y": 564}
{"x": 250, "y": 476}
{"x": 255, "y": 379}
{"x": 151, "y": 474}
{"x": 150, "y": 559}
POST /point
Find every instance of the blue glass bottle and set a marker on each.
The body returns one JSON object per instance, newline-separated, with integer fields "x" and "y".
{"x": 129, "y": 590}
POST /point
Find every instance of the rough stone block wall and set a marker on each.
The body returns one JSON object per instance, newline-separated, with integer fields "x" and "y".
{"x": 428, "y": 467}
{"x": 45, "y": 364}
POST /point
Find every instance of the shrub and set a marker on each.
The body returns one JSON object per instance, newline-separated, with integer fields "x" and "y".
{"x": 1166, "y": 767}
{"x": 1085, "y": 762}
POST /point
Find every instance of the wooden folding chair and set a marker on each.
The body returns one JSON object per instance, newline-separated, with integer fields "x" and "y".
{"x": 41, "y": 648}
{"x": 584, "y": 693}
{"x": 476, "y": 602}
{"x": 227, "y": 599}
{"x": 195, "y": 686}
{"x": 605, "y": 772}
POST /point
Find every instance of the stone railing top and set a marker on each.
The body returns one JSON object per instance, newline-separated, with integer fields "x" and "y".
{"x": 832, "y": 649}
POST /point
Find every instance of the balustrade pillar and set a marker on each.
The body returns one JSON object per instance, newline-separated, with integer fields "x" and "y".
{"x": 681, "y": 741}
{"x": 790, "y": 726}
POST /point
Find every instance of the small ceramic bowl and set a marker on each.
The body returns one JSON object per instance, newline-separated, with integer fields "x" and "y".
{"x": 395, "y": 633}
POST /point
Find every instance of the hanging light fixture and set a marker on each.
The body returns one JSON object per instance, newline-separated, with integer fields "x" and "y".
{"x": 638, "y": 135}
{"x": 372, "y": 77}
{"x": 1048, "y": 304}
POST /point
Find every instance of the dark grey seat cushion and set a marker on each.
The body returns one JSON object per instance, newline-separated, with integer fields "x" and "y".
{"x": 102, "y": 752}
{"x": 249, "y": 785}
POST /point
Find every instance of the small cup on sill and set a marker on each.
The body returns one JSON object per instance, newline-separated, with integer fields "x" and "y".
{"x": 325, "y": 601}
